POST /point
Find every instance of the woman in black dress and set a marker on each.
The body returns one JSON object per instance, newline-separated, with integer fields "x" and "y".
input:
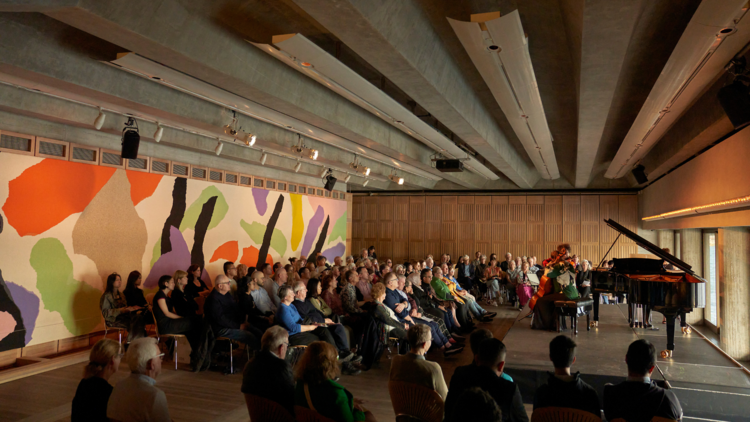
{"x": 195, "y": 285}
{"x": 184, "y": 305}
{"x": 92, "y": 395}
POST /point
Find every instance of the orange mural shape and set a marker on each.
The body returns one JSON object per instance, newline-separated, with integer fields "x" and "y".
{"x": 142, "y": 185}
{"x": 250, "y": 256}
{"x": 47, "y": 193}
{"x": 229, "y": 251}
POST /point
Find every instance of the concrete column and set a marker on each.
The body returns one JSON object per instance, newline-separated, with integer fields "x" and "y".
{"x": 734, "y": 288}
{"x": 691, "y": 246}
{"x": 666, "y": 240}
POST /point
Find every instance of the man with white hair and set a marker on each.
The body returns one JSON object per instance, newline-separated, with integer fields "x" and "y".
{"x": 504, "y": 264}
{"x": 269, "y": 375}
{"x": 226, "y": 318}
{"x": 136, "y": 398}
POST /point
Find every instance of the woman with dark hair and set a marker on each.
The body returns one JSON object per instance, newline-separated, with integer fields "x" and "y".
{"x": 194, "y": 328}
{"x": 116, "y": 311}
{"x": 330, "y": 296}
{"x": 561, "y": 277}
{"x": 133, "y": 290}
{"x": 195, "y": 285}
{"x": 314, "y": 290}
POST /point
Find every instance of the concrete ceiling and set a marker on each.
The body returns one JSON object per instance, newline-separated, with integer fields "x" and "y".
{"x": 595, "y": 62}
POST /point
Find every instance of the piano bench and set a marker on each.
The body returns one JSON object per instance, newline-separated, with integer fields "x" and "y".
{"x": 569, "y": 308}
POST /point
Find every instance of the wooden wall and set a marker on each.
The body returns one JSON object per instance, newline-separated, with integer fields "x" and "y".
{"x": 410, "y": 227}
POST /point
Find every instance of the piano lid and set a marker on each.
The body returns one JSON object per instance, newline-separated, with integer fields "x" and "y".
{"x": 645, "y": 244}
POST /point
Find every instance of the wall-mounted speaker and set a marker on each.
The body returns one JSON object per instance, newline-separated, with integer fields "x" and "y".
{"x": 640, "y": 174}
{"x": 735, "y": 100}
{"x": 130, "y": 142}
{"x": 330, "y": 183}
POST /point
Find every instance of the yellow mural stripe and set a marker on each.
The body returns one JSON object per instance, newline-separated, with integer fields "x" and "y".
{"x": 298, "y": 225}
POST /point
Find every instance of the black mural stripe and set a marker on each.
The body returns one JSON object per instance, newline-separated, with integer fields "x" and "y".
{"x": 1, "y": 223}
{"x": 179, "y": 193}
{"x": 17, "y": 338}
{"x": 269, "y": 232}
{"x": 321, "y": 240}
{"x": 201, "y": 226}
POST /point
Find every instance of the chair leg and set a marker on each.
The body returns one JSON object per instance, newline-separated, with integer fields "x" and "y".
{"x": 588, "y": 321}
{"x": 231, "y": 359}
{"x": 175, "y": 354}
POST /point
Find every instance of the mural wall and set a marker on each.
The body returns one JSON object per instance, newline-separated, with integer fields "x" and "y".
{"x": 65, "y": 226}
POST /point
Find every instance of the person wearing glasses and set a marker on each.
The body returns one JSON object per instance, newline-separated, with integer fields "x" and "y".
{"x": 90, "y": 401}
{"x": 136, "y": 398}
{"x": 269, "y": 375}
{"x": 226, "y": 317}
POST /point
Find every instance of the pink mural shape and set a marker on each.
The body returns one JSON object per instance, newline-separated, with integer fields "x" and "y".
{"x": 261, "y": 204}
{"x": 312, "y": 230}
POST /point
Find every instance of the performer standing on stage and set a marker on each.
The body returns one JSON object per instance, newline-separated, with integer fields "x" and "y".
{"x": 561, "y": 272}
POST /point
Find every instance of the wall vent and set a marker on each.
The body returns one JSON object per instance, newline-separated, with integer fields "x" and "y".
{"x": 159, "y": 166}
{"x": 270, "y": 184}
{"x": 199, "y": 173}
{"x": 259, "y": 183}
{"x": 246, "y": 180}
{"x": 85, "y": 155}
{"x": 215, "y": 176}
{"x": 52, "y": 149}
{"x": 281, "y": 186}
{"x": 292, "y": 188}
{"x": 138, "y": 164}
{"x": 230, "y": 178}
{"x": 111, "y": 159}
{"x": 180, "y": 169}
{"x": 15, "y": 142}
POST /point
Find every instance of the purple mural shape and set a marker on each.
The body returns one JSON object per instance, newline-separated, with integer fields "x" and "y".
{"x": 260, "y": 196}
{"x": 312, "y": 230}
{"x": 335, "y": 251}
{"x": 176, "y": 259}
{"x": 28, "y": 303}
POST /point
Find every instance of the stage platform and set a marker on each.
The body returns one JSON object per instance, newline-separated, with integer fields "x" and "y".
{"x": 708, "y": 384}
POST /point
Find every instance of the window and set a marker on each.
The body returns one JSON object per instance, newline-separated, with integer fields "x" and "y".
{"x": 711, "y": 274}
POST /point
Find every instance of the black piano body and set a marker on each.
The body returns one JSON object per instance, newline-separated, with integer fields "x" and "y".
{"x": 646, "y": 282}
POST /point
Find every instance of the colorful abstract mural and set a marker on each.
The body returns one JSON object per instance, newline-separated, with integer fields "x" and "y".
{"x": 65, "y": 226}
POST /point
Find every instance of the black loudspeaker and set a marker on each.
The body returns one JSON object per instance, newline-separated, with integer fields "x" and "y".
{"x": 640, "y": 174}
{"x": 735, "y": 100}
{"x": 130, "y": 142}
{"x": 449, "y": 166}
{"x": 330, "y": 183}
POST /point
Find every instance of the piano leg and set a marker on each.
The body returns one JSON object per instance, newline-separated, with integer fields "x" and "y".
{"x": 597, "y": 296}
{"x": 670, "y": 316}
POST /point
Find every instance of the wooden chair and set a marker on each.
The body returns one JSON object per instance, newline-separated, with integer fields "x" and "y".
{"x": 393, "y": 340}
{"x": 118, "y": 329}
{"x": 174, "y": 337}
{"x": 562, "y": 414}
{"x": 415, "y": 402}
{"x": 262, "y": 409}
{"x": 307, "y": 415}
{"x": 293, "y": 353}
{"x": 231, "y": 355}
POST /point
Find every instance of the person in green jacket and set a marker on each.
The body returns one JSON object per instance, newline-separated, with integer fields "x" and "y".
{"x": 317, "y": 389}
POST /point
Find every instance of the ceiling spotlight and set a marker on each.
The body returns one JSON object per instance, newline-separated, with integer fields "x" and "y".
{"x": 324, "y": 172}
{"x": 250, "y": 139}
{"x": 348, "y": 177}
{"x": 366, "y": 172}
{"x": 99, "y": 122}
{"x": 396, "y": 179}
{"x": 219, "y": 147}
{"x": 159, "y": 132}
{"x": 263, "y": 159}
{"x": 297, "y": 167}
{"x": 231, "y": 129}
{"x": 314, "y": 154}
{"x": 366, "y": 182}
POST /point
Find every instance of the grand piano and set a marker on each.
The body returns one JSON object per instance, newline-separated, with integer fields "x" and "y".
{"x": 649, "y": 285}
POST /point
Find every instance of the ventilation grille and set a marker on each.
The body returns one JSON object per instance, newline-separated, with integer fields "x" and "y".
{"x": 302, "y": 189}
{"x": 84, "y": 154}
{"x": 245, "y": 180}
{"x": 51, "y": 149}
{"x": 258, "y": 183}
{"x": 320, "y": 192}
{"x": 111, "y": 159}
{"x": 159, "y": 166}
{"x": 215, "y": 175}
{"x": 231, "y": 178}
{"x": 335, "y": 195}
{"x": 16, "y": 143}
{"x": 327, "y": 194}
{"x": 282, "y": 186}
{"x": 199, "y": 173}
{"x": 179, "y": 169}
{"x": 293, "y": 188}
{"x": 138, "y": 163}
{"x": 342, "y": 196}
{"x": 270, "y": 184}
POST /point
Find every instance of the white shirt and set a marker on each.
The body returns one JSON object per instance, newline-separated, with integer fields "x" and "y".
{"x": 136, "y": 399}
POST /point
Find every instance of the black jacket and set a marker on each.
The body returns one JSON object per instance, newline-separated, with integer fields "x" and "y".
{"x": 184, "y": 305}
{"x": 638, "y": 401}
{"x": 460, "y": 271}
{"x": 222, "y": 311}
{"x": 574, "y": 394}
{"x": 309, "y": 312}
{"x": 269, "y": 377}
{"x": 505, "y": 392}
{"x": 191, "y": 289}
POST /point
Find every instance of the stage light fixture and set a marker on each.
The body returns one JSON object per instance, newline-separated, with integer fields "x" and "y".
{"x": 250, "y": 139}
{"x": 297, "y": 167}
{"x": 99, "y": 122}
{"x": 348, "y": 177}
{"x": 324, "y": 172}
{"x": 263, "y": 159}
{"x": 131, "y": 139}
{"x": 314, "y": 154}
{"x": 366, "y": 182}
{"x": 366, "y": 172}
{"x": 219, "y": 147}
{"x": 159, "y": 132}
{"x": 396, "y": 179}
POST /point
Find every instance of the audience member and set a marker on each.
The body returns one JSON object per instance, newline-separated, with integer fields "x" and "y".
{"x": 475, "y": 341}
{"x": 506, "y": 264}
{"x": 184, "y": 305}
{"x": 304, "y": 275}
{"x": 259, "y": 294}
{"x": 196, "y": 286}
{"x": 392, "y": 325}
{"x": 364, "y": 285}
{"x": 492, "y": 275}
{"x": 317, "y": 389}
{"x": 314, "y": 290}
{"x": 524, "y": 291}
{"x": 226, "y": 318}
{"x": 639, "y": 398}
{"x": 486, "y": 375}
{"x": 563, "y": 389}
{"x": 272, "y": 285}
{"x": 231, "y": 272}
{"x": 134, "y": 290}
{"x": 352, "y": 305}
{"x": 413, "y": 368}
{"x": 405, "y": 286}
{"x": 136, "y": 398}
{"x": 371, "y": 253}
{"x": 268, "y": 374}
{"x": 330, "y": 296}
{"x": 117, "y": 313}
{"x": 471, "y": 302}
{"x": 583, "y": 279}
{"x": 92, "y": 394}
{"x": 475, "y": 404}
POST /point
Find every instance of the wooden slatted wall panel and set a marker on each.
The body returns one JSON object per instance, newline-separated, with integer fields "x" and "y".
{"x": 358, "y": 227}
{"x": 370, "y": 235}
{"x": 608, "y": 208}
{"x": 553, "y": 222}
{"x": 466, "y": 226}
{"x": 385, "y": 226}
{"x": 572, "y": 222}
{"x": 349, "y": 226}
{"x": 400, "y": 230}
{"x": 482, "y": 226}
{"x": 500, "y": 215}
{"x": 590, "y": 228}
{"x": 516, "y": 225}
{"x": 534, "y": 227}
{"x": 628, "y": 217}
{"x": 448, "y": 233}
{"x": 433, "y": 226}
{"x": 416, "y": 227}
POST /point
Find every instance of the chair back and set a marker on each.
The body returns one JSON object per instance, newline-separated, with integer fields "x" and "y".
{"x": 562, "y": 414}
{"x": 416, "y": 401}
{"x": 307, "y": 415}
{"x": 262, "y": 409}
{"x": 156, "y": 325}
{"x": 150, "y": 299}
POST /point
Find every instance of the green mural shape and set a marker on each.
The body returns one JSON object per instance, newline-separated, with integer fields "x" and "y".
{"x": 75, "y": 301}
{"x": 339, "y": 229}
{"x": 157, "y": 252}
{"x": 298, "y": 224}
{"x": 256, "y": 231}
{"x": 194, "y": 210}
